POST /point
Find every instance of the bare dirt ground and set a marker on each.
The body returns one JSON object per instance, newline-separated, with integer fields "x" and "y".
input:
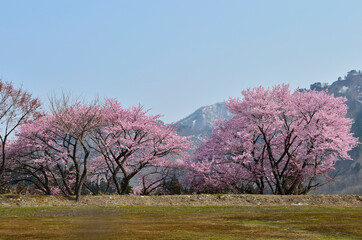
{"x": 9, "y": 200}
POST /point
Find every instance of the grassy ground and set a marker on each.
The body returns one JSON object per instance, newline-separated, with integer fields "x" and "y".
{"x": 180, "y": 223}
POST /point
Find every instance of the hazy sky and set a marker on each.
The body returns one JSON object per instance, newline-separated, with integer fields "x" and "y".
{"x": 175, "y": 56}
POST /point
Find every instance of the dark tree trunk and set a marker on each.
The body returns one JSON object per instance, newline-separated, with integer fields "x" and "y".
{"x": 125, "y": 185}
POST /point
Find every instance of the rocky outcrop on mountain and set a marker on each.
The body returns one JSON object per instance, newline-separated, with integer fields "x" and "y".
{"x": 199, "y": 124}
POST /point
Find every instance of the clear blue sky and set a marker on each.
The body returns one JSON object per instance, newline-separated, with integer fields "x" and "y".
{"x": 176, "y": 56}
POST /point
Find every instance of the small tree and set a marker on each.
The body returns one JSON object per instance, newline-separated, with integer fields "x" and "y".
{"x": 16, "y": 108}
{"x": 278, "y": 139}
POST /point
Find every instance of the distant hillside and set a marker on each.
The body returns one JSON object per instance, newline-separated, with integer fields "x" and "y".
{"x": 199, "y": 125}
{"x": 349, "y": 173}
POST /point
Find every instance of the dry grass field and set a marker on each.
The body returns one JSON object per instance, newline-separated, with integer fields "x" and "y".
{"x": 291, "y": 221}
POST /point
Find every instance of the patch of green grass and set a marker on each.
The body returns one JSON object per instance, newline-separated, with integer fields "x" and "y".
{"x": 180, "y": 223}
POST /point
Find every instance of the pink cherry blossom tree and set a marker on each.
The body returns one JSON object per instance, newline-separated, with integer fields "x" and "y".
{"x": 134, "y": 144}
{"x": 16, "y": 108}
{"x": 277, "y": 139}
{"x": 76, "y": 122}
{"x": 58, "y": 147}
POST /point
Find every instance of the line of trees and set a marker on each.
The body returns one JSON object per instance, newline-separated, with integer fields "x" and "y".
{"x": 277, "y": 141}
{"x": 79, "y": 146}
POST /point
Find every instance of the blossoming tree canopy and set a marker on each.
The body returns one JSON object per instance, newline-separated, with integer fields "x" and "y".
{"x": 278, "y": 139}
{"x": 59, "y": 144}
{"x": 130, "y": 141}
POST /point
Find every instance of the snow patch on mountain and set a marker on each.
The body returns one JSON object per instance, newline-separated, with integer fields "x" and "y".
{"x": 343, "y": 90}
